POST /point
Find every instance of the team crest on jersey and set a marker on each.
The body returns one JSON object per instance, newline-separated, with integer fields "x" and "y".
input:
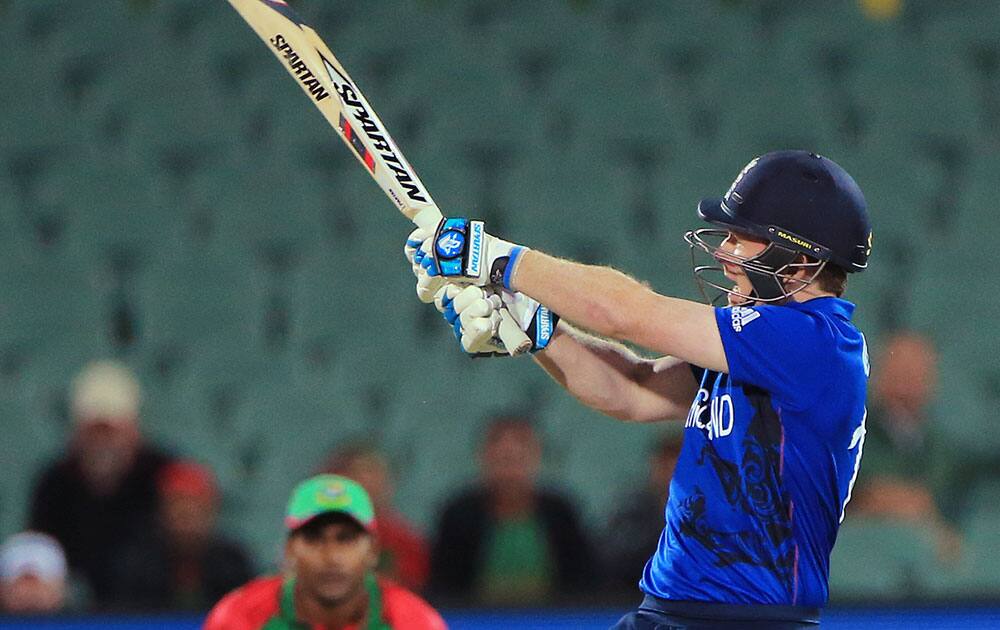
{"x": 741, "y": 316}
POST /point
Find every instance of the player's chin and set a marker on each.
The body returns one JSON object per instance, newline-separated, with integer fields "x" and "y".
{"x": 335, "y": 589}
{"x": 736, "y": 300}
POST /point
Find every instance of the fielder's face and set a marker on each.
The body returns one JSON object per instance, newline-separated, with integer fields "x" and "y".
{"x": 29, "y": 594}
{"x": 330, "y": 559}
{"x": 740, "y": 246}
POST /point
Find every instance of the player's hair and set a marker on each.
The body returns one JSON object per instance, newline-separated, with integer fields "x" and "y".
{"x": 832, "y": 279}
{"x": 315, "y": 526}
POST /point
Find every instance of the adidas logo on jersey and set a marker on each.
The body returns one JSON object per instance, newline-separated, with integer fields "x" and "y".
{"x": 741, "y": 316}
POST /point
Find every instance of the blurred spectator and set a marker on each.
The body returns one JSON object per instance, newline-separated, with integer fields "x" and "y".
{"x": 103, "y": 490}
{"x": 404, "y": 556}
{"x": 183, "y": 563}
{"x": 505, "y": 540}
{"x": 637, "y": 521}
{"x": 906, "y": 466}
{"x": 32, "y": 575}
{"x": 329, "y": 579}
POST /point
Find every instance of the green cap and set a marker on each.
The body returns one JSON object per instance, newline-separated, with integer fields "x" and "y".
{"x": 324, "y": 494}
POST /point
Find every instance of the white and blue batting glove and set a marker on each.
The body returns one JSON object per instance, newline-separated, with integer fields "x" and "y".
{"x": 474, "y": 314}
{"x": 461, "y": 251}
{"x": 427, "y": 286}
{"x": 536, "y": 320}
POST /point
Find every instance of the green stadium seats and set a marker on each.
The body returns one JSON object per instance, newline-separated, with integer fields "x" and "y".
{"x": 198, "y": 294}
{"x": 111, "y": 204}
{"x": 32, "y": 437}
{"x": 975, "y": 572}
{"x": 881, "y": 559}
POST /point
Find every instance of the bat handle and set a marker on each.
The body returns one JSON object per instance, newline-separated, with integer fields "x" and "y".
{"x": 428, "y": 218}
{"x": 514, "y": 339}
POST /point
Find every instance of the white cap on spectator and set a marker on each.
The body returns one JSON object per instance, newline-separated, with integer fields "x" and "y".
{"x": 106, "y": 390}
{"x": 32, "y": 553}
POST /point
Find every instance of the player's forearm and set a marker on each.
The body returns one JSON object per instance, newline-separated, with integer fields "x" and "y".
{"x": 614, "y": 305}
{"x": 610, "y": 378}
{"x": 593, "y": 370}
{"x": 595, "y": 298}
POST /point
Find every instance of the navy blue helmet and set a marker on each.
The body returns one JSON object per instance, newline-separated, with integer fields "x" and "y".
{"x": 800, "y": 202}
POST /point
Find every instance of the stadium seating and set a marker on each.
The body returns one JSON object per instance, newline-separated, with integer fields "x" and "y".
{"x": 895, "y": 559}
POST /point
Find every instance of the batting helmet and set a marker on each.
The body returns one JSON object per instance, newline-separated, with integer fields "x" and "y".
{"x": 800, "y": 202}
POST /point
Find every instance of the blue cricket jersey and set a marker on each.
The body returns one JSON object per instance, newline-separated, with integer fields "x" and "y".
{"x": 771, "y": 451}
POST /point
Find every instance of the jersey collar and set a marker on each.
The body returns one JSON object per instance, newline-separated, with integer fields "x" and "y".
{"x": 828, "y": 305}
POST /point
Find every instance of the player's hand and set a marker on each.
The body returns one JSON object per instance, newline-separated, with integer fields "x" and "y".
{"x": 462, "y": 251}
{"x": 536, "y": 320}
{"x": 475, "y": 315}
{"x": 427, "y": 286}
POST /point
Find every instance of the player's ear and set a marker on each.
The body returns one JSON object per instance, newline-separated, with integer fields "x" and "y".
{"x": 802, "y": 272}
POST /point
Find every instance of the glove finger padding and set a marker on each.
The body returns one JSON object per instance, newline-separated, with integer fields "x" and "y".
{"x": 478, "y": 319}
{"x": 413, "y": 244}
{"x": 472, "y": 300}
{"x": 478, "y": 336}
{"x": 444, "y": 301}
{"x": 440, "y": 297}
{"x": 415, "y": 251}
{"x": 427, "y": 286}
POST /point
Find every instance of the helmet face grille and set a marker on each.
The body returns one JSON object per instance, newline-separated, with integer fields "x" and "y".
{"x": 771, "y": 273}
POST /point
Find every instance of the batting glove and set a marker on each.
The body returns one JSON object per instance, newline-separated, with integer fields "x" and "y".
{"x": 475, "y": 317}
{"x": 462, "y": 251}
{"x": 427, "y": 286}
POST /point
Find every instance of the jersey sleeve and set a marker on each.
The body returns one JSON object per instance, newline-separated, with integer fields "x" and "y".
{"x": 780, "y": 349}
{"x": 247, "y": 608}
{"x": 407, "y": 611}
{"x": 226, "y": 616}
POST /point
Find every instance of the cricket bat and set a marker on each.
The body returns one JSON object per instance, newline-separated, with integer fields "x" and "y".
{"x": 334, "y": 93}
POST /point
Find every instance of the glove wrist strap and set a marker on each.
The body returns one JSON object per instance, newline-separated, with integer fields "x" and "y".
{"x": 505, "y": 267}
{"x": 543, "y": 326}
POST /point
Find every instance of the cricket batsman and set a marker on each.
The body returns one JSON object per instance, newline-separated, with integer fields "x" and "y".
{"x": 771, "y": 384}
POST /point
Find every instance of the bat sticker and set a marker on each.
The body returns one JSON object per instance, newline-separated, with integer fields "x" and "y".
{"x": 357, "y": 144}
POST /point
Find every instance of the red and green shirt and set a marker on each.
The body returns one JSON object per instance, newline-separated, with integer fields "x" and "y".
{"x": 269, "y": 604}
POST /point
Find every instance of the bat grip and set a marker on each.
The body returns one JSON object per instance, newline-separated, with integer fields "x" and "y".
{"x": 428, "y": 218}
{"x": 514, "y": 339}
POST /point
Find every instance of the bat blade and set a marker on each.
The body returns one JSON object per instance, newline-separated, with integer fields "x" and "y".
{"x": 325, "y": 81}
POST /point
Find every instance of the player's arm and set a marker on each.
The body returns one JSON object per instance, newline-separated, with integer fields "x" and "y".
{"x": 612, "y": 379}
{"x": 599, "y": 299}
{"x": 614, "y": 305}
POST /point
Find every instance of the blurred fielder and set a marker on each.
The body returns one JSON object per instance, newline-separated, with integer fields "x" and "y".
{"x": 772, "y": 385}
{"x": 329, "y": 582}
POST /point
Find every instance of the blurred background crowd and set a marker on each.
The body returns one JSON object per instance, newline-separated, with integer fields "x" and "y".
{"x": 203, "y": 300}
{"x": 118, "y": 524}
